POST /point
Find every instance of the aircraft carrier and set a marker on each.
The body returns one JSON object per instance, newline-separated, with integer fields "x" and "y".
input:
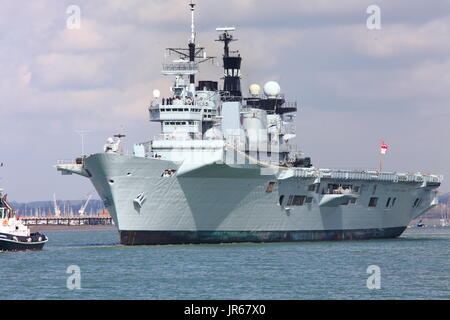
{"x": 224, "y": 168}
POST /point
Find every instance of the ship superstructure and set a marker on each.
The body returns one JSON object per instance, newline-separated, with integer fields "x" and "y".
{"x": 223, "y": 169}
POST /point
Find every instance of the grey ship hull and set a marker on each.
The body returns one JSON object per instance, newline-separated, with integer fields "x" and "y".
{"x": 211, "y": 237}
{"x": 187, "y": 195}
{"x": 218, "y": 203}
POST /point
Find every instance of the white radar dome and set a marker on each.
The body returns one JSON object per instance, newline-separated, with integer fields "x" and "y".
{"x": 254, "y": 89}
{"x": 156, "y": 93}
{"x": 272, "y": 89}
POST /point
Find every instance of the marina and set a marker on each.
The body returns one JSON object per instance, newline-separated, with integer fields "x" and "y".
{"x": 69, "y": 221}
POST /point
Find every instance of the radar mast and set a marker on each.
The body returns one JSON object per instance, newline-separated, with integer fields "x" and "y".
{"x": 192, "y": 41}
{"x": 192, "y": 55}
{"x": 231, "y": 65}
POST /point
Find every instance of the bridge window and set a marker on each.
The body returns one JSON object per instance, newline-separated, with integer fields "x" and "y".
{"x": 312, "y": 187}
{"x": 373, "y": 202}
{"x": 308, "y": 200}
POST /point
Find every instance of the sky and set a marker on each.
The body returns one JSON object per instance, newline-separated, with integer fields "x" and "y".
{"x": 355, "y": 86}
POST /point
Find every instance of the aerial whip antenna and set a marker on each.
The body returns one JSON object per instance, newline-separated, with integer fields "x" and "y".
{"x": 192, "y": 6}
{"x": 192, "y": 52}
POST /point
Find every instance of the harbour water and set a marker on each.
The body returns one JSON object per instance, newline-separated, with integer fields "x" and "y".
{"x": 415, "y": 266}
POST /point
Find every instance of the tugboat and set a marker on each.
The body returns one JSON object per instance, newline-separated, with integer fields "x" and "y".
{"x": 14, "y": 235}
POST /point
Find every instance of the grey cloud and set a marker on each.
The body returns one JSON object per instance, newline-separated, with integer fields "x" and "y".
{"x": 354, "y": 85}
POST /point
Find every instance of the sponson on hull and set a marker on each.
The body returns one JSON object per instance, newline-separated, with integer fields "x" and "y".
{"x": 14, "y": 235}
{"x": 224, "y": 169}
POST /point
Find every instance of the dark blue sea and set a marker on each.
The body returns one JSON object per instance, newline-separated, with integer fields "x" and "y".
{"x": 414, "y": 266}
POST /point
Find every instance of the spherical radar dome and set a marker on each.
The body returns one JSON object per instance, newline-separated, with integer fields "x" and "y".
{"x": 254, "y": 89}
{"x": 156, "y": 93}
{"x": 272, "y": 89}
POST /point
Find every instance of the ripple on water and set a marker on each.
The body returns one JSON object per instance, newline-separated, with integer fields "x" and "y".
{"x": 415, "y": 266}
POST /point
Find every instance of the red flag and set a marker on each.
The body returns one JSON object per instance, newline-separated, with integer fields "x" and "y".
{"x": 383, "y": 148}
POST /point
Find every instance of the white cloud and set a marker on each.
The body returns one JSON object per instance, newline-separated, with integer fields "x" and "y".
{"x": 87, "y": 38}
{"x": 101, "y": 77}
{"x": 429, "y": 39}
{"x": 59, "y": 71}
